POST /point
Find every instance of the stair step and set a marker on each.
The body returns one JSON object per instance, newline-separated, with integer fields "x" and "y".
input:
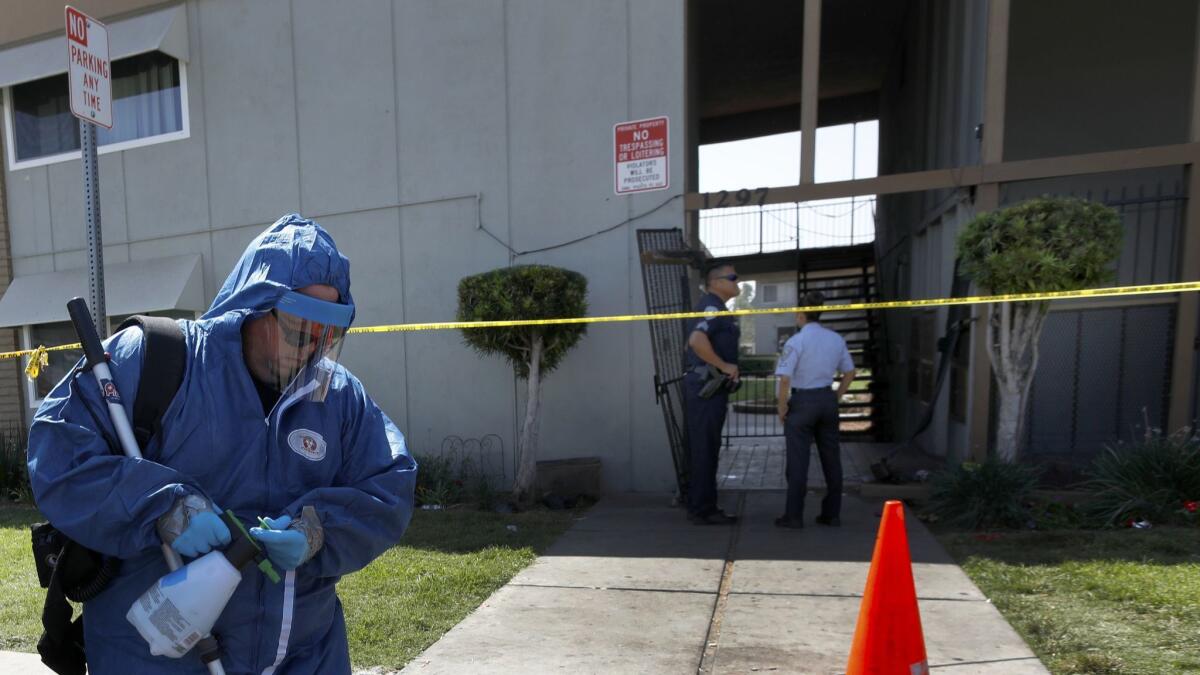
{"x": 805, "y": 281}
{"x": 848, "y": 290}
{"x": 839, "y": 321}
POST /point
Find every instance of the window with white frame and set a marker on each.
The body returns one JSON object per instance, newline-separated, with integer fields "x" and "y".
{"x": 149, "y": 106}
{"x": 59, "y": 363}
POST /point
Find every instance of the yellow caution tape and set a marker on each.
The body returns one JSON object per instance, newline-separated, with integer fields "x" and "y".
{"x": 1154, "y": 289}
{"x": 1117, "y": 291}
{"x": 38, "y": 351}
{"x": 38, "y": 360}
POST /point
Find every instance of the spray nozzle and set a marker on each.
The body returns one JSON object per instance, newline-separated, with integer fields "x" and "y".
{"x": 250, "y": 550}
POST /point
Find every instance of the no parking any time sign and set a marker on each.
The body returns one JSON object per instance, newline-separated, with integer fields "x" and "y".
{"x": 640, "y": 152}
{"x": 89, "y": 78}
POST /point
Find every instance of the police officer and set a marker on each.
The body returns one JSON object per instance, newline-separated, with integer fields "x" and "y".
{"x": 808, "y": 408}
{"x": 713, "y": 341}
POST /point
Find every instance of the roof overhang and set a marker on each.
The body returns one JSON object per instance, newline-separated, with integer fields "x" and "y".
{"x": 130, "y": 288}
{"x": 164, "y": 30}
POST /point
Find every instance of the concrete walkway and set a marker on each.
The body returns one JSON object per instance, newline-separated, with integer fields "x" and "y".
{"x": 20, "y": 662}
{"x": 758, "y": 464}
{"x": 634, "y": 588}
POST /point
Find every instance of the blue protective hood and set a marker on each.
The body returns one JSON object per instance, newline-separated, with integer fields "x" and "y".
{"x": 293, "y": 253}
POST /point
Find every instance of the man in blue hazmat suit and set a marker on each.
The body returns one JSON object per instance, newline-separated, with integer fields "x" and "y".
{"x": 265, "y": 423}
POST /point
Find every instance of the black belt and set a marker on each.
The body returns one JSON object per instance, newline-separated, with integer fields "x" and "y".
{"x": 796, "y": 390}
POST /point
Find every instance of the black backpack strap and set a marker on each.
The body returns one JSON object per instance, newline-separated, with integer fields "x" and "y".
{"x": 164, "y": 361}
{"x": 61, "y": 644}
{"x": 68, "y": 570}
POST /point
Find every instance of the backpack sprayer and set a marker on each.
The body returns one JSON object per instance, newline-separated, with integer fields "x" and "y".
{"x": 177, "y": 613}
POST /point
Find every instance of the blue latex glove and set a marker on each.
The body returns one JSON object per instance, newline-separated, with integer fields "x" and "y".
{"x": 286, "y": 548}
{"x": 205, "y": 531}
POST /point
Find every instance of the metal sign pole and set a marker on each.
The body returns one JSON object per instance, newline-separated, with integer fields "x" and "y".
{"x": 91, "y": 208}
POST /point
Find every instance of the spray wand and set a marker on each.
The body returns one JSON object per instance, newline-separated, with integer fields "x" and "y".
{"x": 218, "y": 567}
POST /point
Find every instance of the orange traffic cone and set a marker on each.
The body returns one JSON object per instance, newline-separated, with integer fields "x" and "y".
{"x": 888, "y": 639}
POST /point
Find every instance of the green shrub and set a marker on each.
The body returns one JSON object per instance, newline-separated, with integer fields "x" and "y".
{"x": 523, "y": 292}
{"x": 14, "y": 473}
{"x": 1043, "y": 244}
{"x": 990, "y": 495}
{"x": 1052, "y": 514}
{"x": 445, "y": 479}
{"x": 1152, "y": 479}
{"x": 437, "y": 482}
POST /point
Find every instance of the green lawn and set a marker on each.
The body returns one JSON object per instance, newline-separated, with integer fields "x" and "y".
{"x": 1112, "y": 601}
{"x": 449, "y": 563}
{"x": 763, "y": 388}
{"x": 755, "y": 389}
{"x": 20, "y": 596}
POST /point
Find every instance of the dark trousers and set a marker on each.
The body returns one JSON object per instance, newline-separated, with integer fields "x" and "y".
{"x": 705, "y": 419}
{"x": 813, "y": 414}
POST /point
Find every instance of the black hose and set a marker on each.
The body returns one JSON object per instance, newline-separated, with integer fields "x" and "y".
{"x": 103, "y": 577}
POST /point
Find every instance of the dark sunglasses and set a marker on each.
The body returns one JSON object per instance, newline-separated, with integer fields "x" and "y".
{"x": 295, "y": 337}
{"x": 729, "y": 277}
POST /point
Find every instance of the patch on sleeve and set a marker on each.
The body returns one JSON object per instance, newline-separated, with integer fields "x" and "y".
{"x": 713, "y": 321}
{"x": 787, "y": 361}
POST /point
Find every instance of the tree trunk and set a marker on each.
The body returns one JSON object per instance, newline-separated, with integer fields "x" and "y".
{"x": 1014, "y": 330}
{"x": 1010, "y": 423}
{"x": 528, "y": 441}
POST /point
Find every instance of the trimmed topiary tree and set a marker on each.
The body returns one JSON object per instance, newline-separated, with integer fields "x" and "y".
{"x": 525, "y": 292}
{"x": 1044, "y": 244}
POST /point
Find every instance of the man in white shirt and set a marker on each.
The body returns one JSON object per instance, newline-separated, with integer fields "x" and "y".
{"x": 808, "y": 408}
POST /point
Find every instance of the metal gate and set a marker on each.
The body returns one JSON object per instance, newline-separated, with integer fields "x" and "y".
{"x": 752, "y": 412}
{"x": 665, "y": 257}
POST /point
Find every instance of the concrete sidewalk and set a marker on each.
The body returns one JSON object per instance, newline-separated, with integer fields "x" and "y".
{"x": 758, "y": 464}
{"x": 20, "y": 662}
{"x": 633, "y": 587}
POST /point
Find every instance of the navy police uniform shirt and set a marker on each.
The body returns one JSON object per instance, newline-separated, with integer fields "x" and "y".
{"x": 722, "y": 331}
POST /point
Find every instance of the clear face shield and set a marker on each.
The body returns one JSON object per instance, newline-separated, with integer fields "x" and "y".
{"x": 309, "y": 334}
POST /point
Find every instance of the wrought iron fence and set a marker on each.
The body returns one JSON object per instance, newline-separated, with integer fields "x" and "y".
{"x": 666, "y": 284}
{"x": 753, "y": 413}
{"x": 780, "y": 227}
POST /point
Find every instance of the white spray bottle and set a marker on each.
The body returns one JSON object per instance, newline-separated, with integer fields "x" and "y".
{"x": 182, "y": 607}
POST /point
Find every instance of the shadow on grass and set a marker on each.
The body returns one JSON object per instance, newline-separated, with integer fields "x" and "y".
{"x": 449, "y": 531}
{"x": 470, "y": 531}
{"x": 1163, "y": 546}
{"x": 18, "y": 516}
